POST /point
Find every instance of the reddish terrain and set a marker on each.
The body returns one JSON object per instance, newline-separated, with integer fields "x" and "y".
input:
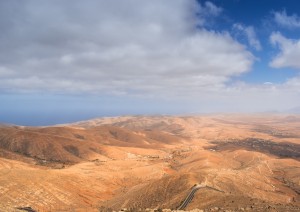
{"x": 252, "y": 162}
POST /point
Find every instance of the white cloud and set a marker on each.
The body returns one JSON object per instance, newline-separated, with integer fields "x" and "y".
{"x": 212, "y": 9}
{"x": 294, "y": 83}
{"x": 268, "y": 83}
{"x": 289, "y": 51}
{"x": 5, "y": 72}
{"x": 292, "y": 21}
{"x": 142, "y": 48}
{"x": 263, "y": 97}
{"x": 250, "y": 34}
{"x": 244, "y": 97}
{"x": 146, "y": 47}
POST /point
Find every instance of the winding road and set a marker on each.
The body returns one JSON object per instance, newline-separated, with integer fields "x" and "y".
{"x": 190, "y": 196}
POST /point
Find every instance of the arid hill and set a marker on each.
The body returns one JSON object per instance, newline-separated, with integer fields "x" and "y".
{"x": 68, "y": 145}
{"x": 239, "y": 161}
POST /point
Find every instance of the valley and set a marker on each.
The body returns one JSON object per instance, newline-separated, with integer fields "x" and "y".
{"x": 139, "y": 162}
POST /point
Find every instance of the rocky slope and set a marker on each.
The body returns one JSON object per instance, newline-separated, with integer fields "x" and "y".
{"x": 247, "y": 162}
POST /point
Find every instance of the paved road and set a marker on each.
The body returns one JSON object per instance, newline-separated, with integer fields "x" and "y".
{"x": 190, "y": 196}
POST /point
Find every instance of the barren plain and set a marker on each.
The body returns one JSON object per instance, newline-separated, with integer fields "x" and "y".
{"x": 244, "y": 162}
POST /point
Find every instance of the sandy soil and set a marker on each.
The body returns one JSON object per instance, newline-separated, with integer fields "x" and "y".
{"x": 152, "y": 162}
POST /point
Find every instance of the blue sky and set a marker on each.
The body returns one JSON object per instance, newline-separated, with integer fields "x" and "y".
{"x": 260, "y": 15}
{"x": 62, "y": 62}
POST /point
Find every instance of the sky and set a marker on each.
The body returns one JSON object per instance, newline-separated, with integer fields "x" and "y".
{"x": 68, "y": 60}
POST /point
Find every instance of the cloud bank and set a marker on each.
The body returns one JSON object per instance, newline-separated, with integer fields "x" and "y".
{"x": 115, "y": 47}
{"x": 155, "y": 49}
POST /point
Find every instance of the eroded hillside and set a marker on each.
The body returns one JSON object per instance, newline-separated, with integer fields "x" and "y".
{"x": 244, "y": 161}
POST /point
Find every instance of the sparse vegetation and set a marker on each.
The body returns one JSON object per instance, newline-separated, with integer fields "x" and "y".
{"x": 282, "y": 150}
{"x": 145, "y": 164}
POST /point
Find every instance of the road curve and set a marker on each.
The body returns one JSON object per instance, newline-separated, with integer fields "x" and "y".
{"x": 190, "y": 196}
